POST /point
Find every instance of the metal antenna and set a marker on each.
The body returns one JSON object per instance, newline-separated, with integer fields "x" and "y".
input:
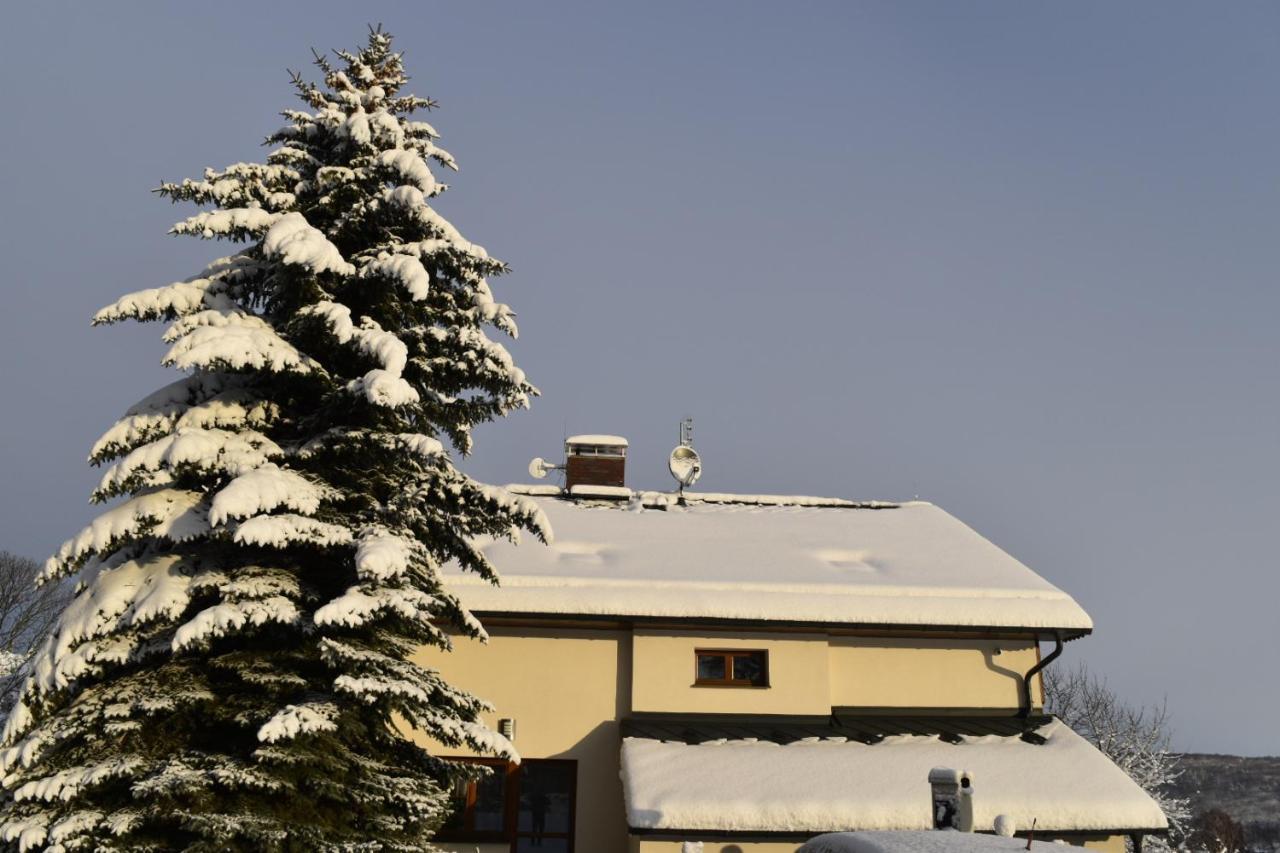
{"x": 684, "y": 463}
{"x": 686, "y": 432}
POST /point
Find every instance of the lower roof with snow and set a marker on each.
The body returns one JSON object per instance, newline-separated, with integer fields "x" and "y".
{"x": 826, "y": 784}
{"x": 927, "y": 842}
{"x": 766, "y": 559}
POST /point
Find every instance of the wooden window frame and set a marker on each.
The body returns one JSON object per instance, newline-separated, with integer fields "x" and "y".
{"x": 468, "y": 833}
{"x": 729, "y": 680}
{"x": 511, "y": 833}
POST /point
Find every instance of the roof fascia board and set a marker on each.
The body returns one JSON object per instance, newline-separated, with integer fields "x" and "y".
{"x": 668, "y": 833}
{"x": 509, "y": 618}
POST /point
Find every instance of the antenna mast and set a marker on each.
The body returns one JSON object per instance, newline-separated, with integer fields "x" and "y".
{"x": 684, "y": 463}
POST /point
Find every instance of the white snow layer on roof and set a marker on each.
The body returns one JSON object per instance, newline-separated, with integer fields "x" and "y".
{"x": 909, "y": 565}
{"x": 585, "y": 490}
{"x": 824, "y": 785}
{"x": 928, "y": 841}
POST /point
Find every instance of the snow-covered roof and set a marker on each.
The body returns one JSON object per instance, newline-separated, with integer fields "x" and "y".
{"x": 823, "y": 785}
{"x": 761, "y": 558}
{"x": 590, "y": 490}
{"x": 607, "y": 440}
{"x": 926, "y": 841}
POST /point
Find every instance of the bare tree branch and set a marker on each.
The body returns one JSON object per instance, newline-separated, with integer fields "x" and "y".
{"x": 26, "y": 614}
{"x": 1136, "y": 739}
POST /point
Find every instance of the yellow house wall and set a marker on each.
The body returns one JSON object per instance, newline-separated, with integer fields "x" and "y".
{"x": 566, "y": 691}
{"x": 639, "y": 845}
{"x": 568, "y": 688}
{"x": 1104, "y": 843}
{"x": 870, "y": 672}
{"x": 663, "y": 674}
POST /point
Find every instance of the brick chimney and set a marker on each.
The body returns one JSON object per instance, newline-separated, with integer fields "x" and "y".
{"x": 595, "y": 460}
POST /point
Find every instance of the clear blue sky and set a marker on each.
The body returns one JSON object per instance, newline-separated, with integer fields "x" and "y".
{"x": 1018, "y": 259}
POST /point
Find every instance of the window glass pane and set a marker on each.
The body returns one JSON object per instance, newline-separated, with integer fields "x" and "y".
{"x": 458, "y": 806}
{"x": 491, "y": 795}
{"x": 749, "y": 668}
{"x": 546, "y": 798}
{"x": 711, "y": 668}
{"x": 542, "y": 845}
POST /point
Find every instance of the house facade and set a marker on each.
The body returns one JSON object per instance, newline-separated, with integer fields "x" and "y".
{"x": 751, "y": 671}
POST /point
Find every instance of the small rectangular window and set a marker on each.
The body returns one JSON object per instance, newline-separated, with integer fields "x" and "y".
{"x": 731, "y": 668}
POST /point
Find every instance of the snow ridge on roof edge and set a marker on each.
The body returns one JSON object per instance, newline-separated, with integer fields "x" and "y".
{"x": 656, "y": 498}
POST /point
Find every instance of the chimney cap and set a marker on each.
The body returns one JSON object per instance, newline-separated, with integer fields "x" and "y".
{"x": 601, "y": 440}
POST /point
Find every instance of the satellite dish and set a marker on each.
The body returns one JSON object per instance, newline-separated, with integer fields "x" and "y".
{"x": 685, "y": 465}
{"x": 539, "y": 467}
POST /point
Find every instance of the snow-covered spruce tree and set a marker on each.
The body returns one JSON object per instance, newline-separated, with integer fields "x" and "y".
{"x": 229, "y": 675}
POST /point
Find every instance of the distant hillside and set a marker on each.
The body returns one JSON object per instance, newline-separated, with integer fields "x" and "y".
{"x": 1248, "y": 789}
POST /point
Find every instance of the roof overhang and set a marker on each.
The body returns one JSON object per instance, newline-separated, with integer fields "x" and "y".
{"x": 878, "y": 629}
{"x": 916, "y": 841}
{"x": 832, "y": 779}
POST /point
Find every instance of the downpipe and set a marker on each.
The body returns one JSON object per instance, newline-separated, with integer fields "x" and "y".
{"x": 1025, "y": 710}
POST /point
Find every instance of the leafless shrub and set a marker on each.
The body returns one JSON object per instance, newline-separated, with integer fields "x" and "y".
{"x": 1215, "y": 831}
{"x": 26, "y": 614}
{"x": 1136, "y": 739}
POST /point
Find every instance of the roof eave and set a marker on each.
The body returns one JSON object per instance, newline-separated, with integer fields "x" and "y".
{"x": 804, "y": 835}
{"x": 1041, "y": 633}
